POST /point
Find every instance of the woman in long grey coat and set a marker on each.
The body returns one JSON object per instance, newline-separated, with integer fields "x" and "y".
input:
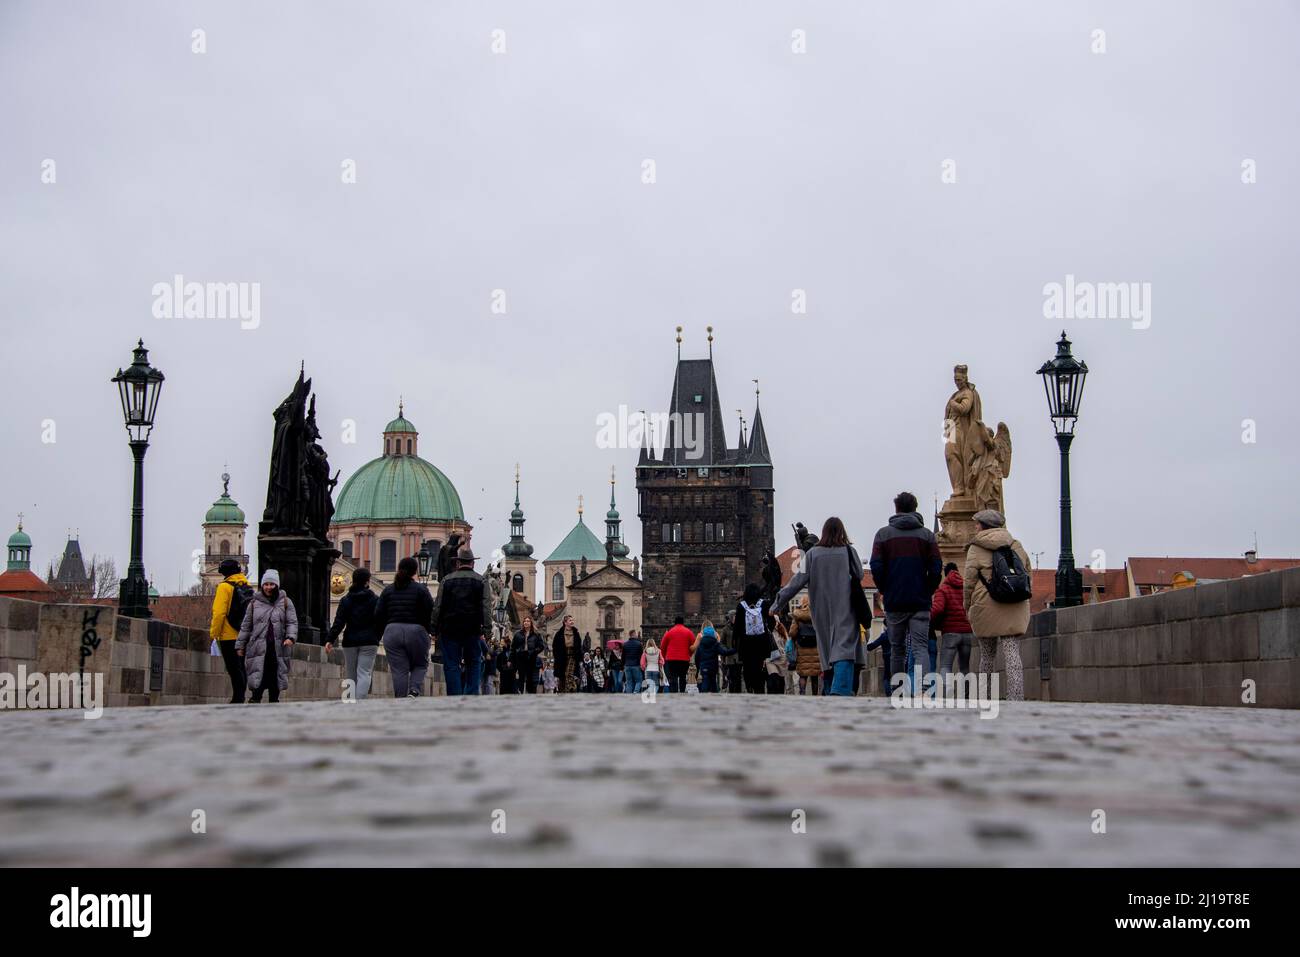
{"x": 827, "y": 570}
{"x": 266, "y": 638}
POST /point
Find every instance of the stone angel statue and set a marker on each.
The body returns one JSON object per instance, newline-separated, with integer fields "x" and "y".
{"x": 992, "y": 465}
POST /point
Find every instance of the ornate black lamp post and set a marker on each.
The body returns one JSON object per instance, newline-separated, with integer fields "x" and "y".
{"x": 1063, "y": 379}
{"x": 138, "y": 387}
{"x": 423, "y": 557}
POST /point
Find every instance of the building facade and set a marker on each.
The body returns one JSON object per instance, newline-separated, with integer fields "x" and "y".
{"x": 224, "y": 532}
{"x": 395, "y": 504}
{"x": 707, "y": 509}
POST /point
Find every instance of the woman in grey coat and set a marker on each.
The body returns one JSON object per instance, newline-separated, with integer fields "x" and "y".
{"x": 827, "y": 570}
{"x": 266, "y": 638}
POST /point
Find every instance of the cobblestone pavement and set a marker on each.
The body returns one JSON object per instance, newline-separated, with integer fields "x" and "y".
{"x": 610, "y": 780}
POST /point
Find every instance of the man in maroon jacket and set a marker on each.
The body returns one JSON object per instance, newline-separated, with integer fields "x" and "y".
{"x": 949, "y": 619}
{"x": 676, "y": 649}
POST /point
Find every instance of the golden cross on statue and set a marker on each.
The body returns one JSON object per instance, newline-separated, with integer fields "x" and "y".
{"x": 579, "y": 506}
{"x": 20, "y": 521}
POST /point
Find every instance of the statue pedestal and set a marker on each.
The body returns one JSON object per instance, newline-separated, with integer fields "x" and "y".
{"x": 956, "y": 529}
{"x": 304, "y": 577}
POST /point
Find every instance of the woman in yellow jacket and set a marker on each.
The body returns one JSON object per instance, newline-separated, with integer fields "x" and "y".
{"x": 223, "y": 632}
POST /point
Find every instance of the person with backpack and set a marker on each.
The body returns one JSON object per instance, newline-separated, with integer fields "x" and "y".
{"x": 832, "y": 572}
{"x": 676, "y": 648}
{"x": 632, "y": 673}
{"x": 907, "y": 568}
{"x": 269, "y": 629}
{"x": 228, "y": 606}
{"x": 948, "y": 616}
{"x": 356, "y": 614}
{"x": 751, "y": 638}
{"x": 402, "y": 618}
{"x": 708, "y": 652}
{"x": 462, "y": 615}
{"x": 996, "y": 595}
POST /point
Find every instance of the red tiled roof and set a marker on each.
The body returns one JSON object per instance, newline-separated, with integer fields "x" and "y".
{"x": 21, "y": 583}
{"x": 1111, "y": 584}
{"x": 1161, "y": 571}
{"x": 786, "y": 561}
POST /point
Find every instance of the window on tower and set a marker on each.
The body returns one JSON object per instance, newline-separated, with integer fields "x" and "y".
{"x": 557, "y": 587}
{"x": 224, "y": 548}
{"x": 347, "y": 549}
{"x": 517, "y": 583}
{"x": 388, "y": 555}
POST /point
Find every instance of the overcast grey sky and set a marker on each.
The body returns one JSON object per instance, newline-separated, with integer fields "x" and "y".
{"x": 775, "y": 171}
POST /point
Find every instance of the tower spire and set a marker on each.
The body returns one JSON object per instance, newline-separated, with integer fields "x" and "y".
{"x": 679, "y": 343}
{"x": 710, "y": 331}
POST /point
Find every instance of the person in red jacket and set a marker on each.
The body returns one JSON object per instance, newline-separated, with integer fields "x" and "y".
{"x": 676, "y": 648}
{"x": 948, "y": 617}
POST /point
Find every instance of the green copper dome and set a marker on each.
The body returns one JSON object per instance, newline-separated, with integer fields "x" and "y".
{"x": 224, "y": 511}
{"x": 397, "y": 487}
{"x": 400, "y": 424}
{"x": 20, "y": 539}
{"x": 579, "y": 544}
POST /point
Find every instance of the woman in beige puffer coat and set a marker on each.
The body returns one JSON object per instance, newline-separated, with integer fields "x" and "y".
{"x": 995, "y": 623}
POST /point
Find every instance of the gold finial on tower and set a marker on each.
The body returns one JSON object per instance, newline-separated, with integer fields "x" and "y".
{"x": 709, "y": 329}
{"x": 580, "y": 508}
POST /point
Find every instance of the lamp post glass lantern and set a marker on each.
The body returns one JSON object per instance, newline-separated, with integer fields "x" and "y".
{"x": 138, "y": 387}
{"x": 423, "y": 558}
{"x": 1063, "y": 378}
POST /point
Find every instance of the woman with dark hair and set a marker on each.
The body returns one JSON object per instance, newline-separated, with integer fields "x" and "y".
{"x": 751, "y": 637}
{"x": 828, "y": 570}
{"x": 403, "y": 613}
{"x": 526, "y": 653}
{"x": 356, "y": 614}
{"x": 567, "y": 652}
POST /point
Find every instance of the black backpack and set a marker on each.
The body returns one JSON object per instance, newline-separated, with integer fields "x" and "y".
{"x": 1011, "y": 582}
{"x": 240, "y": 596}
{"x": 460, "y": 601}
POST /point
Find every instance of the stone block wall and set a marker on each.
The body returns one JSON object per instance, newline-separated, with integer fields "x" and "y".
{"x": 152, "y": 662}
{"x": 1195, "y": 645}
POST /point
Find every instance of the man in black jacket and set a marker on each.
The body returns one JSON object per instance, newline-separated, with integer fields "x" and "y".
{"x": 462, "y": 615}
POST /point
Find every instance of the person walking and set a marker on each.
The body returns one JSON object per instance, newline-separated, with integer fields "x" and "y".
{"x": 676, "y": 651}
{"x": 830, "y": 569}
{"x": 527, "y": 650}
{"x": 229, "y": 603}
{"x": 709, "y": 652}
{"x": 266, "y": 638}
{"x": 731, "y": 667}
{"x": 505, "y": 659}
{"x": 402, "y": 617}
{"x": 996, "y": 594}
{"x": 489, "y": 666}
{"x": 462, "y": 615}
{"x": 596, "y": 667}
{"x": 355, "y": 620}
{"x": 751, "y": 637}
{"x": 948, "y": 616}
{"x": 807, "y": 661}
{"x": 566, "y": 652}
{"x": 632, "y": 673}
{"x": 650, "y": 662}
{"x": 614, "y": 666}
{"x": 548, "y": 678}
{"x": 907, "y": 568}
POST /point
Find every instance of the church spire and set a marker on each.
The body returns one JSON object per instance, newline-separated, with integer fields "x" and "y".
{"x": 517, "y": 547}
{"x": 758, "y": 453}
{"x": 615, "y": 550}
